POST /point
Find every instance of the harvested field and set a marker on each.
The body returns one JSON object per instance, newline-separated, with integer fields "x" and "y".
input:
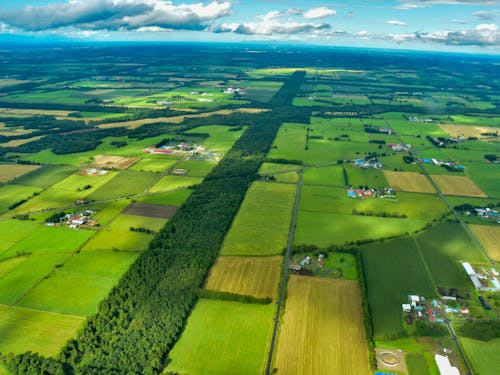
{"x": 467, "y": 130}
{"x": 9, "y": 172}
{"x": 110, "y": 161}
{"x": 489, "y": 236}
{"x": 151, "y": 210}
{"x": 409, "y": 181}
{"x": 254, "y": 276}
{"x": 322, "y": 330}
{"x": 176, "y": 119}
{"x": 20, "y": 142}
{"x": 457, "y": 185}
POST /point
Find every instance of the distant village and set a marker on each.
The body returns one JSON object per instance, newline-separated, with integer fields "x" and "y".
{"x": 192, "y": 151}
{"x": 366, "y": 192}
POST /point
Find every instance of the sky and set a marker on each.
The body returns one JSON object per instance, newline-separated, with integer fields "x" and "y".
{"x": 444, "y": 25}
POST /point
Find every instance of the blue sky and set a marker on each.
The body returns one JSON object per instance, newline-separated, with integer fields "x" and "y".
{"x": 455, "y": 25}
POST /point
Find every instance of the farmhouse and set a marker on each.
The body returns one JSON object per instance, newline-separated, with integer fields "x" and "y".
{"x": 399, "y": 147}
{"x": 368, "y": 163}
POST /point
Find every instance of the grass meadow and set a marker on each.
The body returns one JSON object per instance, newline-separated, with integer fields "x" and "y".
{"x": 41, "y": 332}
{"x": 223, "y": 337}
{"x": 443, "y": 257}
{"x": 483, "y": 355}
{"x": 262, "y": 222}
{"x": 393, "y": 269}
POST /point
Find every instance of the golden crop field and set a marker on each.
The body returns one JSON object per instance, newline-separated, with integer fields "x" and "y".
{"x": 11, "y": 171}
{"x": 111, "y": 161}
{"x": 322, "y": 330}
{"x": 457, "y": 185}
{"x": 409, "y": 181}
{"x": 34, "y": 112}
{"x": 254, "y": 276}
{"x": 467, "y": 130}
{"x": 489, "y": 236}
{"x": 19, "y": 142}
{"x": 133, "y": 124}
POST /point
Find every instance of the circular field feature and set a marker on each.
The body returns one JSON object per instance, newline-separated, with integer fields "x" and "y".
{"x": 389, "y": 359}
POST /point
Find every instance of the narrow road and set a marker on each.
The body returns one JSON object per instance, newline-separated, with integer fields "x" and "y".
{"x": 455, "y": 339}
{"x": 291, "y": 232}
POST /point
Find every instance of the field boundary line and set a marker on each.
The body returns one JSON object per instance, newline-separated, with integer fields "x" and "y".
{"x": 291, "y": 232}
{"x": 44, "y": 311}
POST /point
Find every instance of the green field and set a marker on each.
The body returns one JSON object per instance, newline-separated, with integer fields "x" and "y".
{"x": 483, "y": 355}
{"x": 325, "y": 215}
{"x": 171, "y": 198}
{"x": 174, "y": 182}
{"x": 291, "y": 142}
{"x": 153, "y": 165}
{"x": 268, "y": 168}
{"x": 11, "y": 194}
{"x": 220, "y": 139}
{"x": 80, "y": 284}
{"x": 197, "y": 168}
{"x": 117, "y": 234}
{"x": 49, "y": 240}
{"x": 20, "y": 280}
{"x": 393, "y": 269}
{"x": 46, "y": 176}
{"x": 366, "y": 177}
{"x": 416, "y": 364}
{"x": 125, "y": 184}
{"x": 235, "y": 343}
{"x": 332, "y": 175}
{"x": 41, "y": 332}
{"x": 263, "y": 220}
{"x": 443, "y": 257}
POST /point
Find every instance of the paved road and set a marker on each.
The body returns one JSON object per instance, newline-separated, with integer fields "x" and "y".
{"x": 291, "y": 232}
{"x": 455, "y": 339}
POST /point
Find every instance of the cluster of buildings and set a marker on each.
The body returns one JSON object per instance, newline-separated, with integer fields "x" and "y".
{"x": 95, "y": 172}
{"x": 76, "y": 220}
{"x": 386, "y": 192}
{"x": 372, "y": 163}
{"x": 418, "y": 119}
{"x": 173, "y": 148}
{"x": 381, "y": 130}
{"x": 435, "y": 311}
{"x": 399, "y": 147}
{"x": 442, "y": 142}
{"x": 445, "y": 164}
{"x": 483, "y": 280}
{"x": 194, "y": 152}
{"x": 233, "y": 91}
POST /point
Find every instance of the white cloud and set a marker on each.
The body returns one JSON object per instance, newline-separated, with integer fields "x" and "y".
{"x": 410, "y": 6}
{"x": 481, "y": 35}
{"x": 320, "y": 12}
{"x": 269, "y": 28}
{"x": 115, "y": 15}
{"x": 396, "y": 23}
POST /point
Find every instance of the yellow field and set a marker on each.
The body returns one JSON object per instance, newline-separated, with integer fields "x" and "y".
{"x": 11, "y": 82}
{"x": 457, "y": 185}
{"x": 19, "y": 142}
{"x": 489, "y": 236}
{"x": 467, "y": 130}
{"x": 32, "y": 112}
{"x": 322, "y": 330}
{"x": 254, "y": 276}
{"x": 176, "y": 119}
{"x": 409, "y": 181}
{"x": 111, "y": 161}
{"x": 10, "y": 171}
